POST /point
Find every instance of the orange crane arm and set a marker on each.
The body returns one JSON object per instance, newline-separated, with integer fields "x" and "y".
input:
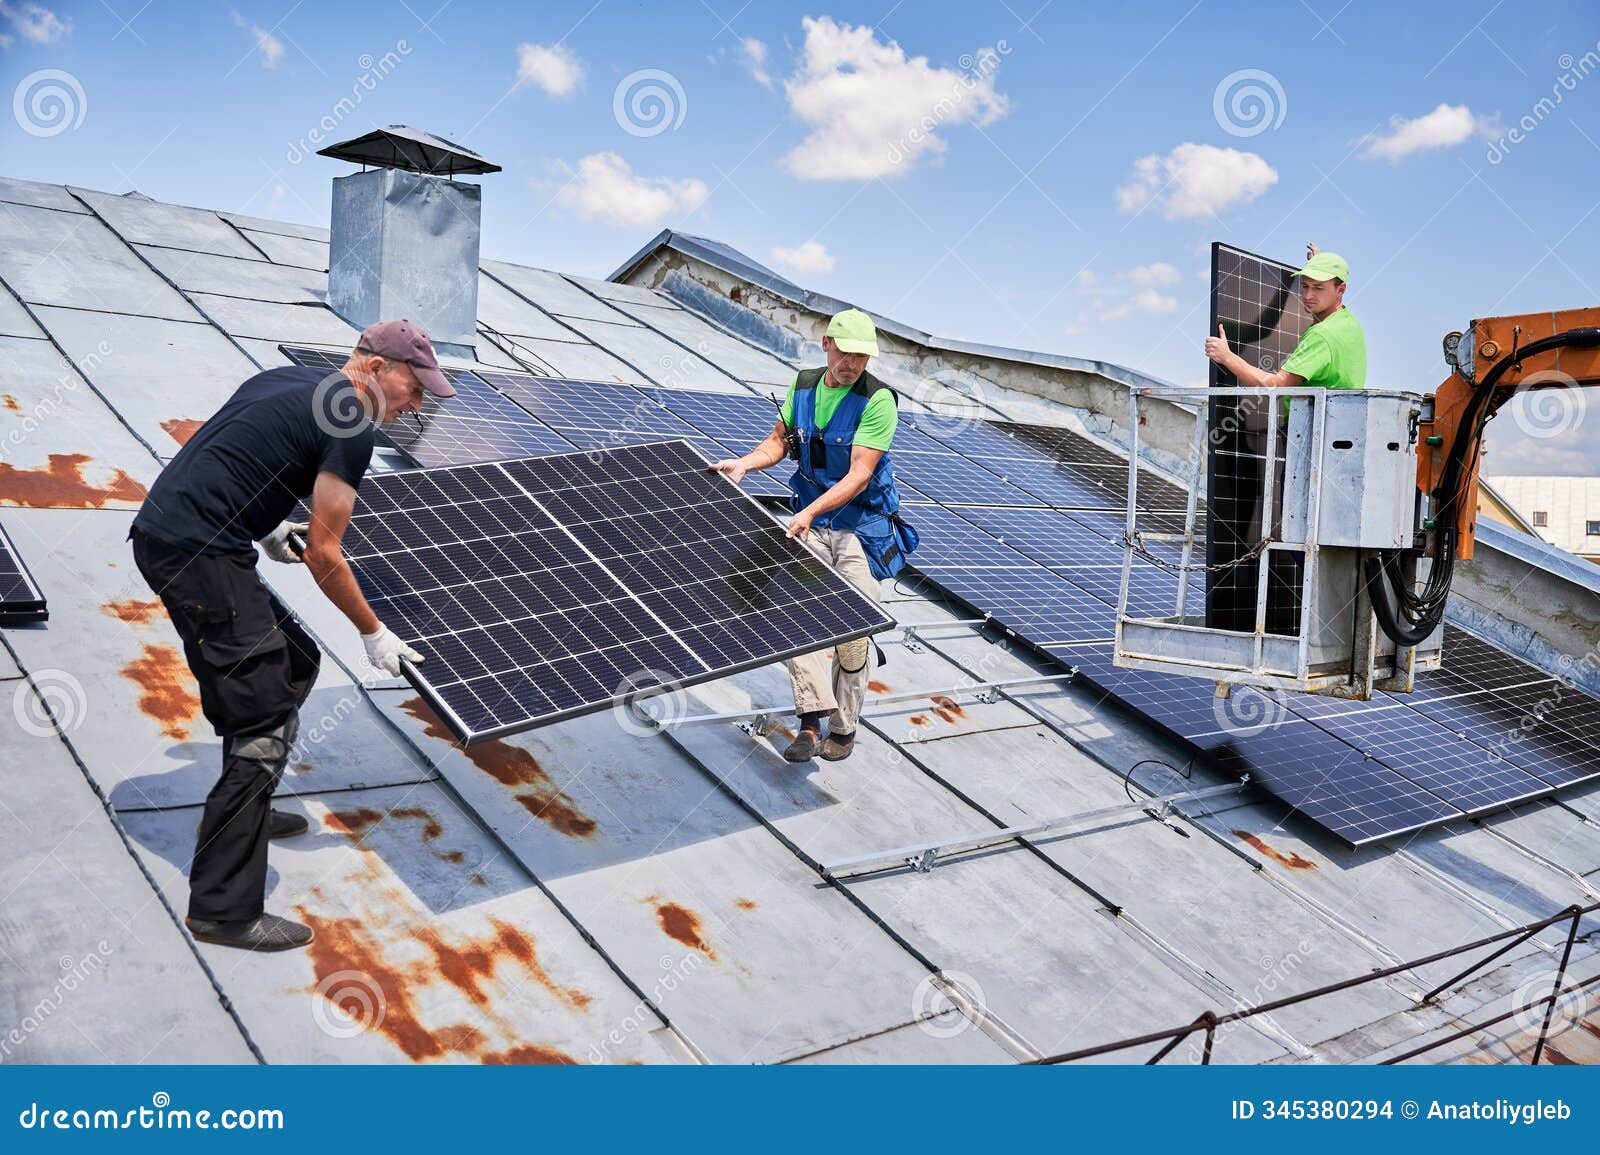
{"x": 1486, "y": 342}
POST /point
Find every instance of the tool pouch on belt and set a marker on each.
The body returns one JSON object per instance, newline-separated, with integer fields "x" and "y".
{"x": 881, "y": 540}
{"x": 235, "y": 619}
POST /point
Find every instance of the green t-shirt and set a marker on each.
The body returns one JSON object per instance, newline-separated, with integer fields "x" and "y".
{"x": 1332, "y": 354}
{"x": 878, "y": 421}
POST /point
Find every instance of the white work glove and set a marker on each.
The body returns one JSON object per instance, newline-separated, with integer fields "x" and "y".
{"x": 277, "y": 544}
{"x": 384, "y": 651}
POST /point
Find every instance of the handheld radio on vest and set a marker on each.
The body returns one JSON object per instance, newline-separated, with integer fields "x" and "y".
{"x": 791, "y": 435}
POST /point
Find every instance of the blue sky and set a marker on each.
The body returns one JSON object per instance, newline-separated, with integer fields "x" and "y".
{"x": 1074, "y": 165}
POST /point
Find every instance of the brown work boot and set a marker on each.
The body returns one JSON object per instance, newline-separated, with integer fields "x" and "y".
{"x": 838, "y": 747}
{"x": 805, "y": 745}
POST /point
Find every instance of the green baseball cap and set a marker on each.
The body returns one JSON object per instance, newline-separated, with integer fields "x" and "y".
{"x": 854, "y": 332}
{"x": 1326, "y": 267}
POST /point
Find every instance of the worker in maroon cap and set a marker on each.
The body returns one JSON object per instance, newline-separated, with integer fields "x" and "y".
{"x": 285, "y": 436}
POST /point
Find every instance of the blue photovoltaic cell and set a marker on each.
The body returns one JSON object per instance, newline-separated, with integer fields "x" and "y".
{"x": 951, "y": 479}
{"x": 477, "y": 424}
{"x": 1430, "y": 755}
{"x": 547, "y": 587}
{"x": 560, "y": 402}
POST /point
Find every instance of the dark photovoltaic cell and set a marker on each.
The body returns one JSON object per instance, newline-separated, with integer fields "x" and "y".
{"x": 1255, "y": 301}
{"x": 21, "y": 600}
{"x": 543, "y": 588}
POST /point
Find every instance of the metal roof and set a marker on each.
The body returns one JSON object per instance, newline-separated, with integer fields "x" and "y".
{"x": 590, "y": 891}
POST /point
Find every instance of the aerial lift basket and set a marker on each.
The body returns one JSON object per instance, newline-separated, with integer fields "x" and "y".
{"x": 1339, "y": 484}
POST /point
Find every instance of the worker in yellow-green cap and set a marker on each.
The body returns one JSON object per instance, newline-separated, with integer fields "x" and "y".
{"x": 1332, "y": 354}
{"x": 837, "y": 423}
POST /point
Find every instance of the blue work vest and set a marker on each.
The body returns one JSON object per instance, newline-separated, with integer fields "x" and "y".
{"x": 825, "y": 454}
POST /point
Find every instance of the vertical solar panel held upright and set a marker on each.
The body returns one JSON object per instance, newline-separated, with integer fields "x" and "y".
{"x": 21, "y": 600}
{"x": 1254, "y": 300}
{"x": 548, "y": 587}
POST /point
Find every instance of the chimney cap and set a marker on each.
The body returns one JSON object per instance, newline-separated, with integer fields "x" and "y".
{"x": 400, "y": 146}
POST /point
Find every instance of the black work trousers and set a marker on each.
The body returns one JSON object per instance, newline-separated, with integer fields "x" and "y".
{"x": 255, "y": 665}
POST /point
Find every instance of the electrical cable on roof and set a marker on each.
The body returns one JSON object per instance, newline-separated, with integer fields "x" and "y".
{"x": 1187, "y": 773}
{"x": 547, "y": 369}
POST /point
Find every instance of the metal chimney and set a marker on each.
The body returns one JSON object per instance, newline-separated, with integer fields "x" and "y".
{"x": 405, "y": 235}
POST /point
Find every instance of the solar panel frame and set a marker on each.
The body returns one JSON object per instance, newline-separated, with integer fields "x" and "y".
{"x": 505, "y": 499}
{"x": 21, "y": 599}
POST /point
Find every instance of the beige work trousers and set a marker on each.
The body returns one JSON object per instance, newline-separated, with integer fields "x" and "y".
{"x": 821, "y": 681}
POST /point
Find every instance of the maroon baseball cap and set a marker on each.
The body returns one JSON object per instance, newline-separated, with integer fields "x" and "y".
{"x": 403, "y": 341}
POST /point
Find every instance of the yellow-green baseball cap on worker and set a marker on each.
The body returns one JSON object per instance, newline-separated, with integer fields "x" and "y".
{"x": 853, "y": 332}
{"x": 1326, "y": 267}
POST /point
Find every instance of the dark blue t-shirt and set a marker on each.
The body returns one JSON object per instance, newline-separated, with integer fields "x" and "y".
{"x": 241, "y": 473}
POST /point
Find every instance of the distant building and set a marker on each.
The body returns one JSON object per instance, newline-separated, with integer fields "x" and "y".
{"x": 1564, "y": 511}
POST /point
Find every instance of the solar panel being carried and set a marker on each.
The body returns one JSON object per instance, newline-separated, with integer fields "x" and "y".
{"x": 544, "y": 588}
{"x": 21, "y": 600}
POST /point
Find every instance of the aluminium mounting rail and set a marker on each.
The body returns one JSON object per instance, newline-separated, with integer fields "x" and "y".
{"x": 762, "y": 718}
{"x": 921, "y": 857}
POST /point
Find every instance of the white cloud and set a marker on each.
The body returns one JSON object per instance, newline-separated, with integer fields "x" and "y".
{"x": 871, "y": 111}
{"x": 1144, "y": 301}
{"x": 810, "y": 257}
{"x": 1159, "y": 273}
{"x": 553, "y": 67}
{"x": 603, "y": 187}
{"x": 270, "y": 47}
{"x": 34, "y": 23}
{"x": 1444, "y": 127}
{"x": 755, "y": 59}
{"x": 1195, "y": 181}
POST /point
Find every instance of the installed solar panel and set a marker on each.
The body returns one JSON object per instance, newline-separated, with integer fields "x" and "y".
{"x": 1253, "y": 298}
{"x": 549, "y": 587}
{"x": 952, "y": 479}
{"x": 561, "y": 402}
{"x": 477, "y": 424}
{"x": 21, "y": 600}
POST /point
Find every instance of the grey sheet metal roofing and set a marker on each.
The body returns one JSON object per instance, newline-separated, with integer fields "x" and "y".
{"x": 593, "y": 891}
{"x": 731, "y": 260}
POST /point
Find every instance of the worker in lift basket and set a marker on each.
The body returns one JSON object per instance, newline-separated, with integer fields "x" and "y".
{"x": 1331, "y": 354}
{"x": 837, "y": 422}
{"x": 285, "y": 435}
